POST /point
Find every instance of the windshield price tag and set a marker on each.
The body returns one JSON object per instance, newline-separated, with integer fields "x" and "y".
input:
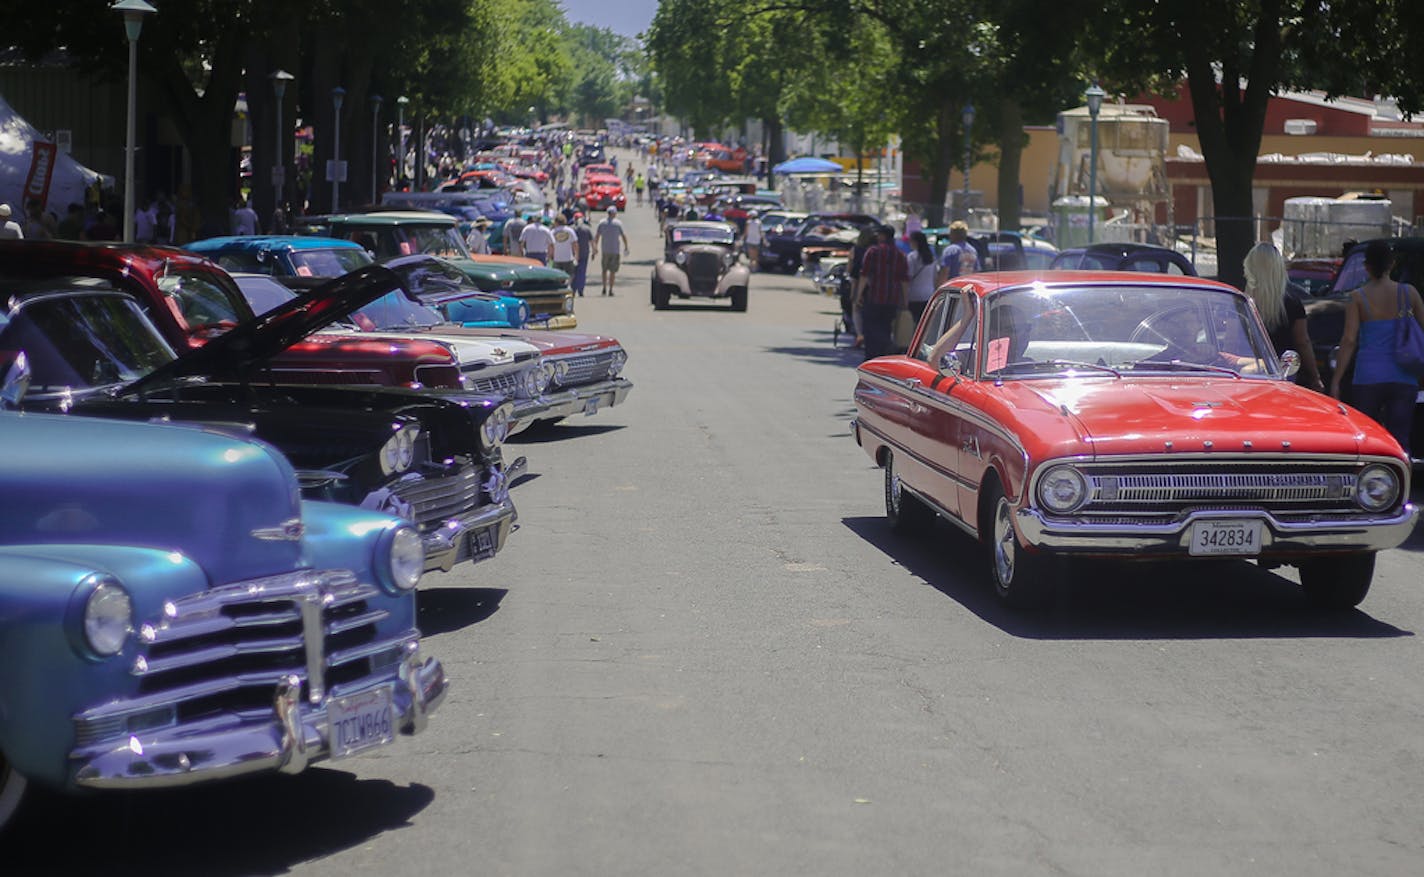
{"x": 1225, "y": 538}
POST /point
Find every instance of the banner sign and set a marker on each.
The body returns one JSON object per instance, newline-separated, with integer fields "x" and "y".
{"x": 41, "y": 172}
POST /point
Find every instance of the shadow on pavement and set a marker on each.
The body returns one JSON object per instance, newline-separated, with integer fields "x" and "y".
{"x": 441, "y": 610}
{"x": 1107, "y": 601}
{"x": 263, "y": 825}
{"x": 553, "y": 432}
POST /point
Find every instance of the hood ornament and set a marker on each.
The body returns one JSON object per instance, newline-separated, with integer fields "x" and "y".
{"x": 288, "y": 531}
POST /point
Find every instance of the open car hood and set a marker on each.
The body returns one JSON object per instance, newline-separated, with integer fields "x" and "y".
{"x": 250, "y": 344}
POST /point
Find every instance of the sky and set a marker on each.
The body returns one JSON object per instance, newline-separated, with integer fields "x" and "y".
{"x": 627, "y": 17}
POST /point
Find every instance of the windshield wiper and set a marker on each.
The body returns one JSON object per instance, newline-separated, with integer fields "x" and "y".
{"x": 1182, "y": 365}
{"x": 1032, "y": 365}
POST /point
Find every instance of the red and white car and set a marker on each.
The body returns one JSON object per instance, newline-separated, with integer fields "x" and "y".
{"x": 1064, "y": 415}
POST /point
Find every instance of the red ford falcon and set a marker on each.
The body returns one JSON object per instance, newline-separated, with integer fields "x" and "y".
{"x": 1059, "y": 415}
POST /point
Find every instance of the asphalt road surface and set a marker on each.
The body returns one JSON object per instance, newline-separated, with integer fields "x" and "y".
{"x": 704, "y": 653}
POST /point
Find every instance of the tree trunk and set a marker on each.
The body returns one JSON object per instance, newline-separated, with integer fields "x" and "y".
{"x": 776, "y": 148}
{"x": 941, "y": 164}
{"x": 1011, "y": 146}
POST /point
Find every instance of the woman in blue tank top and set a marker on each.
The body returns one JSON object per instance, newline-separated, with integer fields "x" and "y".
{"x": 1381, "y": 388}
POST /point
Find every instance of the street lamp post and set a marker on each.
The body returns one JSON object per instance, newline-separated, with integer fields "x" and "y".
{"x": 337, "y": 95}
{"x": 968, "y": 154}
{"x": 279, "y": 78}
{"x": 133, "y": 12}
{"x": 400, "y": 136}
{"x": 1095, "y": 96}
{"x": 375, "y": 141}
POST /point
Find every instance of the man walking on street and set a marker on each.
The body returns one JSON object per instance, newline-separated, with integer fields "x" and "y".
{"x": 882, "y": 288}
{"x": 564, "y": 251}
{"x": 535, "y": 240}
{"x": 607, "y": 236}
{"x": 585, "y": 246}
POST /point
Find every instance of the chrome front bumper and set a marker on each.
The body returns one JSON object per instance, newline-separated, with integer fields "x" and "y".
{"x": 293, "y": 735}
{"x": 588, "y": 398}
{"x": 1172, "y": 539}
{"x": 553, "y": 322}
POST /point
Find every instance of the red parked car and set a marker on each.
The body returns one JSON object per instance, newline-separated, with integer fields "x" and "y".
{"x": 190, "y": 299}
{"x": 1064, "y": 415}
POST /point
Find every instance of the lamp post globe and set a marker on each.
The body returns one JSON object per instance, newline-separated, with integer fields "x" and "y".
{"x": 1094, "y": 96}
{"x": 133, "y": 12}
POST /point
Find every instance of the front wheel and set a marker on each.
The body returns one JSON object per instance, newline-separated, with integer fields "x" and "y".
{"x": 1022, "y": 579}
{"x": 660, "y": 297}
{"x": 1338, "y": 581}
{"x": 12, "y": 789}
{"x": 739, "y": 298}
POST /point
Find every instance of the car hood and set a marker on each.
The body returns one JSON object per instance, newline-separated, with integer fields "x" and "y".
{"x": 471, "y": 349}
{"x": 551, "y": 343}
{"x": 229, "y": 503}
{"x": 523, "y": 268}
{"x": 1193, "y": 415}
{"x": 238, "y": 351}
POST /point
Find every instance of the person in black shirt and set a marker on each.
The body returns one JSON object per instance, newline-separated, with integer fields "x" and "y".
{"x": 1283, "y": 314}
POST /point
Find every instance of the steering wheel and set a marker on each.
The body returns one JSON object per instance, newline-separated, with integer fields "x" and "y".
{"x": 1154, "y": 329}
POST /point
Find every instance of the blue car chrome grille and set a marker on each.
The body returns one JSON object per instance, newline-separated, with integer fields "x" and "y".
{"x": 223, "y": 651}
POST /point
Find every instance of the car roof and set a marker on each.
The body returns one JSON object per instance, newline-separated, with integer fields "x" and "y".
{"x": 994, "y": 281}
{"x": 385, "y": 218}
{"x": 258, "y": 243}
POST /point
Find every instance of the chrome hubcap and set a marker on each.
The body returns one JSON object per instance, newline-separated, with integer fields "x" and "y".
{"x": 1004, "y": 546}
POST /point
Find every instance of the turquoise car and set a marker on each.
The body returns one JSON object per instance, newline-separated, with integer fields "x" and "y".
{"x": 299, "y": 259}
{"x": 172, "y": 612}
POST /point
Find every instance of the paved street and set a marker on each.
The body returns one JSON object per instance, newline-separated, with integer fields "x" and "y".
{"x": 704, "y": 653}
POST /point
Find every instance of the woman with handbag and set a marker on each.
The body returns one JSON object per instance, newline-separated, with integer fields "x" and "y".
{"x": 1377, "y": 322}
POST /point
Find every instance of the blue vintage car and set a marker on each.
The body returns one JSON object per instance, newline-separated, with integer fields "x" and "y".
{"x": 302, "y": 260}
{"x": 172, "y": 612}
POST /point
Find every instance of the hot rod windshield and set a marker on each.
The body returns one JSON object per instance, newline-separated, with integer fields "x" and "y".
{"x": 701, "y": 235}
{"x": 1047, "y": 329}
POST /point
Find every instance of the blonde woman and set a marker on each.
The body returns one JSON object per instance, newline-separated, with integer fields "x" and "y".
{"x": 1283, "y": 314}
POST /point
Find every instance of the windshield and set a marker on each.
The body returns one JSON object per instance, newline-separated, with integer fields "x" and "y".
{"x": 1352, "y": 273}
{"x": 442, "y": 240}
{"x": 200, "y": 302}
{"x": 395, "y": 310}
{"x": 1042, "y": 330}
{"x": 84, "y": 341}
{"x": 426, "y": 278}
{"x": 263, "y": 294}
{"x": 682, "y": 234}
{"x": 329, "y": 263}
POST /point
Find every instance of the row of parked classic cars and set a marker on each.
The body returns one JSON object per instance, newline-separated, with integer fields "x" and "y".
{"x": 227, "y": 470}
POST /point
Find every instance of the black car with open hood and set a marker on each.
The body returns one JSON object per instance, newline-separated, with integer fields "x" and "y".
{"x": 433, "y": 457}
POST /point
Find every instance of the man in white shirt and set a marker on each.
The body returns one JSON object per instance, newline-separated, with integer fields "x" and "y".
{"x": 9, "y": 228}
{"x": 564, "y": 252}
{"x": 751, "y": 238}
{"x": 535, "y": 241}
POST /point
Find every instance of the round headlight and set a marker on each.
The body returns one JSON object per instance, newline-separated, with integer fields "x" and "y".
{"x": 680, "y": 258}
{"x": 405, "y": 447}
{"x": 523, "y": 314}
{"x": 728, "y": 259}
{"x": 615, "y": 364}
{"x": 108, "y": 618}
{"x": 407, "y": 558}
{"x": 496, "y": 426}
{"x": 547, "y": 373}
{"x": 568, "y": 304}
{"x": 529, "y": 381}
{"x": 1062, "y": 489}
{"x": 1377, "y": 488}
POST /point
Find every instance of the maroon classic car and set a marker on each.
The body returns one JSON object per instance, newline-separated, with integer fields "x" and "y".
{"x": 1063, "y": 415}
{"x": 190, "y": 299}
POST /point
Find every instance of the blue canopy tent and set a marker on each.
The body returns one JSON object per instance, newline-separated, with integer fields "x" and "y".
{"x": 807, "y": 164}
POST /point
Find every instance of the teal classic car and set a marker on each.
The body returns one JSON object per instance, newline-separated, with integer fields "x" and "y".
{"x": 302, "y": 262}
{"x": 172, "y": 612}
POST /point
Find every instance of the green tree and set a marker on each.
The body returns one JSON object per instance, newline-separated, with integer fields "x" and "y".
{"x": 1234, "y": 54}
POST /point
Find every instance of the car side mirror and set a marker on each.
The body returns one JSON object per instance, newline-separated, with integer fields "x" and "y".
{"x": 14, "y": 381}
{"x": 1290, "y": 364}
{"x": 950, "y": 366}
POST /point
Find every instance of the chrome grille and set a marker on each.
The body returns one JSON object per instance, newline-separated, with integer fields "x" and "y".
{"x": 505, "y": 384}
{"x": 435, "y": 499}
{"x": 223, "y": 651}
{"x": 1151, "y": 491}
{"x": 585, "y": 369}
